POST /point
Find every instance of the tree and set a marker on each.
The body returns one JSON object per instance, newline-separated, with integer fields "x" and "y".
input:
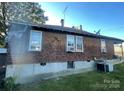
{"x": 19, "y": 12}
{"x": 2, "y": 24}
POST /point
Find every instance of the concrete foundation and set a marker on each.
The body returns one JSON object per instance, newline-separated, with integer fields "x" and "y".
{"x": 33, "y": 72}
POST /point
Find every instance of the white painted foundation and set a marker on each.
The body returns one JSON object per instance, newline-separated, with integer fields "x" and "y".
{"x": 24, "y": 72}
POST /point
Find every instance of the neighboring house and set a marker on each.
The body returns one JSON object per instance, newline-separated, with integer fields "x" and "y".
{"x": 118, "y": 49}
{"x": 55, "y": 48}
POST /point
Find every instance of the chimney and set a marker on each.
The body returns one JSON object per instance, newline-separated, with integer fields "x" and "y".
{"x": 62, "y": 22}
{"x": 80, "y": 27}
{"x": 72, "y": 26}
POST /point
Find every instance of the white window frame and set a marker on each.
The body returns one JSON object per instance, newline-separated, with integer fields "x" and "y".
{"x": 82, "y": 44}
{"x": 31, "y": 39}
{"x": 67, "y": 47}
{"x": 75, "y": 44}
{"x": 103, "y": 48}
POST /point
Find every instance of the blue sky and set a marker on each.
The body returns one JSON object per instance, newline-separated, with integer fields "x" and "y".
{"x": 109, "y": 17}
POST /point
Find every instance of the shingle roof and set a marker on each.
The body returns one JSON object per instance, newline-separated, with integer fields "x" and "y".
{"x": 70, "y": 30}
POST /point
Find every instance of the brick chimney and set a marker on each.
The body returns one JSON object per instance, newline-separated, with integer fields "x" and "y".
{"x": 72, "y": 26}
{"x": 80, "y": 27}
{"x": 62, "y": 22}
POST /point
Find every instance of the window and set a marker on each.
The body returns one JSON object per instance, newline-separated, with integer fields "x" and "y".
{"x": 70, "y": 43}
{"x": 79, "y": 44}
{"x": 103, "y": 46}
{"x": 74, "y": 43}
{"x": 35, "y": 40}
{"x": 70, "y": 64}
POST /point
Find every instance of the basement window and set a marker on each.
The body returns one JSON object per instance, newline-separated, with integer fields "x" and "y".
{"x": 35, "y": 40}
{"x": 70, "y": 64}
{"x": 103, "y": 46}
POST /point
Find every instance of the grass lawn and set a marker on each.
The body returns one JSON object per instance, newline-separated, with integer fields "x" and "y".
{"x": 85, "y": 81}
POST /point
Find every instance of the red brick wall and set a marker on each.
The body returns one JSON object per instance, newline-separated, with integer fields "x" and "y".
{"x": 110, "y": 48}
{"x": 54, "y": 50}
{"x": 92, "y": 47}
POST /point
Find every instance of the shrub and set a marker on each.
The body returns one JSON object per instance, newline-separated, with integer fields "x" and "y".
{"x": 9, "y": 83}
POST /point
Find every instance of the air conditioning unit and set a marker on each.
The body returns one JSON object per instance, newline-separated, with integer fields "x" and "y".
{"x": 70, "y": 49}
{"x": 105, "y": 67}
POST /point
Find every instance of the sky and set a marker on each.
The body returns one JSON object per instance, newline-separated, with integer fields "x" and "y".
{"x": 109, "y": 17}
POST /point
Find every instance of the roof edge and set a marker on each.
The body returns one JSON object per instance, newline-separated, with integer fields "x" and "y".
{"x": 53, "y": 28}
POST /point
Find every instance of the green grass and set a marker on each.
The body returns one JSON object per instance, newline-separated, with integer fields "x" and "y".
{"x": 85, "y": 81}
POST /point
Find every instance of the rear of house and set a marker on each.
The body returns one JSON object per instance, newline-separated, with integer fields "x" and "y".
{"x": 43, "y": 49}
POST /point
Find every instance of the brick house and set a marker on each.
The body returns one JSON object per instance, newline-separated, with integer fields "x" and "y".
{"x": 58, "y": 46}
